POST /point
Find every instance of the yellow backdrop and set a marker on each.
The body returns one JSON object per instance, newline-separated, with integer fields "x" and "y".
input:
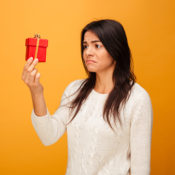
{"x": 150, "y": 28}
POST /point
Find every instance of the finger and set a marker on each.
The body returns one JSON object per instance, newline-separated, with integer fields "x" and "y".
{"x": 29, "y": 61}
{"x": 31, "y": 67}
{"x": 30, "y": 76}
{"x": 33, "y": 72}
{"x": 37, "y": 77}
{"x": 24, "y": 73}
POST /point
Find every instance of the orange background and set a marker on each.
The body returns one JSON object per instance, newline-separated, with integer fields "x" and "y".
{"x": 150, "y": 28}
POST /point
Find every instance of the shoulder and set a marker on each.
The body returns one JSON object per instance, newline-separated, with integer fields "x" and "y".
{"x": 138, "y": 92}
{"x": 139, "y": 96}
{"x": 139, "y": 102}
{"x": 73, "y": 86}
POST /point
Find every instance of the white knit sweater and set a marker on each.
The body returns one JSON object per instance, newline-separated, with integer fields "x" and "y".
{"x": 93, "y": 148}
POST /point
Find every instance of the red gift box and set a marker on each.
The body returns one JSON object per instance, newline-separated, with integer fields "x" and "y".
{"x": 36, "y": 48}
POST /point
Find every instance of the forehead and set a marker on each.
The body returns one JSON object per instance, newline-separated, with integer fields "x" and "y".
{"x": 89, "y": 36}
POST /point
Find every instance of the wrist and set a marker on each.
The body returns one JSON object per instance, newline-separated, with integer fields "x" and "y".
{"x": 36, "y": 92}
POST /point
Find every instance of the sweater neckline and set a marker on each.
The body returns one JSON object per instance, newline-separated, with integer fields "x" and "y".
{"x": 99, "y": 94}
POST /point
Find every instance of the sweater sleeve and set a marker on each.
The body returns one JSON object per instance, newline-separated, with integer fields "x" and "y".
{"x": 50, "y": 128}
{"x": 141, "y": 134}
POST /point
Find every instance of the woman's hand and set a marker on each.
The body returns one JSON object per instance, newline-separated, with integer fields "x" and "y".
{"x": 31, "y": 77}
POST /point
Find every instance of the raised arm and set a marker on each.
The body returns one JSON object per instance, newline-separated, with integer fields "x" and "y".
{"x": 48, "y": 127}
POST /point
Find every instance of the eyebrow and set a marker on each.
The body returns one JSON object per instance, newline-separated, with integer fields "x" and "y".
{"x": 94, "y": 41}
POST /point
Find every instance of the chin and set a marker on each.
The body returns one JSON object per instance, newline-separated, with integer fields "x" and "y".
{"x": 91, "y": 70}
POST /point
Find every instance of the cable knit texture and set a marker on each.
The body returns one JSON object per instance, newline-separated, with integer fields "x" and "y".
{"x": 93, "y": 148}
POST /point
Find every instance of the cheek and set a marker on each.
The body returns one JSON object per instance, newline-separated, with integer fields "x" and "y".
{"x": 105, "y": 59}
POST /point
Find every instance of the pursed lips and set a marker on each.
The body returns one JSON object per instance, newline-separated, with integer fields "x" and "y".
{"x": 90, "y": 61}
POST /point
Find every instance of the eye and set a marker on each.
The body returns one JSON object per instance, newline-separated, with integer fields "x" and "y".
{"x": 84, "y": 46}
{"x": 97, "y": 45}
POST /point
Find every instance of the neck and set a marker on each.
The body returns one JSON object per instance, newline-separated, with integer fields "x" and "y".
{"x": 104, "y": 82}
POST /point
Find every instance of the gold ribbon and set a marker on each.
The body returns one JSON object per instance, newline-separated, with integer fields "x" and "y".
{"x": 37, "y": 44}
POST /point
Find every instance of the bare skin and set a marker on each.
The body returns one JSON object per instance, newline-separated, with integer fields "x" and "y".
{"x": 102, "y": 62}
{"x": 31, "y": 78}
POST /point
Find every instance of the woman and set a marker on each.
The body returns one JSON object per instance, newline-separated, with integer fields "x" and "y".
{"x": 107, "y": 116}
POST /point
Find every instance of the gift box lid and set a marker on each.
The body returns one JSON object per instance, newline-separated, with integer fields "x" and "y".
{"x": 33, "y": 42}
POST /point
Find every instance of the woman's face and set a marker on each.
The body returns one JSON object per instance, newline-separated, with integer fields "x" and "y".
{"x": 95, "y": 55}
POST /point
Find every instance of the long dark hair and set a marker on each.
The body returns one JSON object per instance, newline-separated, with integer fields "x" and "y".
{"x": 111, "y": 33}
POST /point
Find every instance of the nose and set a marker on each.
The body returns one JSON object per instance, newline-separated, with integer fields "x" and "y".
{"x": 89, "y": 51}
